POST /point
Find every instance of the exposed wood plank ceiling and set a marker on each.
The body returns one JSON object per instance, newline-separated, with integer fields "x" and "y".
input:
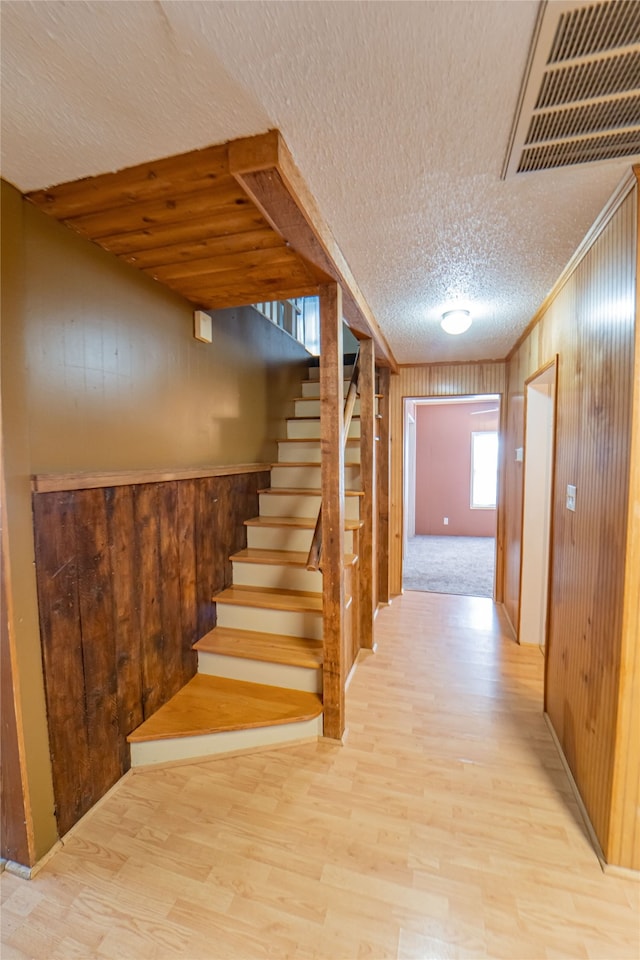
{"x": 222, "y": 227}
{"x": 187, "y": 223}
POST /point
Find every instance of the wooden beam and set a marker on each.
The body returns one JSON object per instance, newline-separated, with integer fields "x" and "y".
{"x": 367, "y": 386}
{"x": 265, "y": 169}
{"x": 52, "y": 482}
{"x": 332, "y": 473}
{"x": 383, "y": 485}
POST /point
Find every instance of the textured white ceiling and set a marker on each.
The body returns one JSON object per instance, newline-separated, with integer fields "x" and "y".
{"x": 397, "y": 114}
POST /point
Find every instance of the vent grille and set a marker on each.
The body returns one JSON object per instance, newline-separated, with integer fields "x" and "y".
{"x": 595, "y": 78}
{"x": 581, "y": 98}
{"x": 593, "y": 118}
{"x": 584, "y": 150}
{"x": 596, "y": 28}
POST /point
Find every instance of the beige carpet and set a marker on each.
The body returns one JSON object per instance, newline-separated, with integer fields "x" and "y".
{"x": 459, "y": 565}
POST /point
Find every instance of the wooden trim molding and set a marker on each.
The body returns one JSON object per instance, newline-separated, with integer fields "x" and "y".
{"x": 57, "y": 482}
{"x": 367, "y": 549}
{"x": 264, "y": 168}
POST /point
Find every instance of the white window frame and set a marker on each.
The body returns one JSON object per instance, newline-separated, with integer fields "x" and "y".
{"x": 472, "y": 504}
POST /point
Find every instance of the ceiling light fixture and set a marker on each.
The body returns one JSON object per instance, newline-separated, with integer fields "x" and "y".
{"x": 455, "y": 321}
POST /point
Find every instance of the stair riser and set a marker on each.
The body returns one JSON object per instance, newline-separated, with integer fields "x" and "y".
{"x": 275, "y": 575}
{"x": 314, "y": 372}
{"x": 290, "y": 622}
{"x": 286, "y": 538}
{"x": 299, "y": 505}
{"x": 258, "y": 671}
{"x": 215, "y": 744}
{"x": 309, "y": 476}
{"x": 310, "y": 429}
{"x": 311, "y": 408}
{"x": 311, "y": 389}
{"x": 311, "y": 452}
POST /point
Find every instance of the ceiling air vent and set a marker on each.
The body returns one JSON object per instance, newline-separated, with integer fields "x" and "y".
{"x": 580, "y": 100}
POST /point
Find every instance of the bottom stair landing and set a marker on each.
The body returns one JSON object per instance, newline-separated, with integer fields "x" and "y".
{"x": 213, "y": 715}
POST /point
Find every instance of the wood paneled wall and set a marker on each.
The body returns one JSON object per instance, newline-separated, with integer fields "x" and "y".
{"x": 589, "y": 323}
{"x": 125, "y": 580}
{"x": 430, "y": 380}
{"x": 624, "y": 834}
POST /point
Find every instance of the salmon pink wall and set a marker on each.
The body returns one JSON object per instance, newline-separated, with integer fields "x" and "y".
{"x": 443, "y": 468}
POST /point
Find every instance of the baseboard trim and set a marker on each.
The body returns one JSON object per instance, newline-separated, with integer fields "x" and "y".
{"x": 595, "y": 843}
{"x": 625, "y": 873}
{"x": 28, "y": 873}
{"x": 611, "y": 869}
{"x": 338, "y": 741}
{"x": 514, "y": 632}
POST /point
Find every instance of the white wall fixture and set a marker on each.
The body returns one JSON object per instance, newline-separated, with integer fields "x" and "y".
{"x": 202, "y": 329}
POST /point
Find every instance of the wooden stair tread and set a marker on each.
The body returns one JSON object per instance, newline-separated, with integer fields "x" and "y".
{"x": 271, "y": 598}
{"x": 304, "y": 523}
{"x": 267, "y": 647}
{"x": 350, "y": 440}
{"x": 308, "y": 463}
{"x": 306, "y": 491}
{"x": 290, "y": 558}
{"x": 215, "y": 705}
{"x": 356, "y": 416}
{"x": 378, "y": 396}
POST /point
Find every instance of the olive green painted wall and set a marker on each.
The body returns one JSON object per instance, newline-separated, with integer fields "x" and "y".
{"x": 100, "y": 371}
{"x": 114, "y": 376}
{"x": 24, "y": 629}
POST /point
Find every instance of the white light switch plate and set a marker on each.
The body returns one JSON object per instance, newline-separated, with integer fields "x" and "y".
{"x": 571, "y": 497}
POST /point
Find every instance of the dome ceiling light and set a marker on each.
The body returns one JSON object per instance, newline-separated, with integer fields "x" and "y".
{"x": 455, "y": 321}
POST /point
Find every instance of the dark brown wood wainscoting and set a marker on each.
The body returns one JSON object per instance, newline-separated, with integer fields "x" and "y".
{"x": 125, "y": 579}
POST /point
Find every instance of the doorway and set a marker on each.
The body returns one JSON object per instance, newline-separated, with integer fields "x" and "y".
{"x": 450, "y": 494}
{"x": 540, "y": 407}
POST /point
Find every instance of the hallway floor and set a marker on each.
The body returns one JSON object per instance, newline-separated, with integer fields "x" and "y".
{"x": 445, "y": 827}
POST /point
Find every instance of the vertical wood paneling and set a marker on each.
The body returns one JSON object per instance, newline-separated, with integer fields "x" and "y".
{"x": 624, "y": 834}
{"x": 126, "y": 613}
{"x": 61, "y": 632}
{"x": 125, "y": 580}
{"x": 590, "y": 325}
{"x": 95, "y": 602}
{"x": 366, "y": 386}
{"x": 428, "y": 380}
{"x": 149, "y": 585}
{"x": 185, "y": 525}
{"x": 383, "y": 483}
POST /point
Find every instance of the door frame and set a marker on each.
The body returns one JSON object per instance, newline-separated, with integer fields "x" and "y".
{"x": 552, "y": 364}
{"x": 498, "y": 562}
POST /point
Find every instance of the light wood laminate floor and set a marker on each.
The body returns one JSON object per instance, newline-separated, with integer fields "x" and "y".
{"x": 445, "y": 827}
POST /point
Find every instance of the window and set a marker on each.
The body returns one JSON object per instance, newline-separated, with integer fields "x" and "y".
{"x": 299, "y": 317}
{"x": 484, "y": 470}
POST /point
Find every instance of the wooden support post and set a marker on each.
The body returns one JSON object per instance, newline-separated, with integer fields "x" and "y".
{"x": 332, "y": 471}
{"x": 383, "y": 484}
{"x": 367, "y": 385}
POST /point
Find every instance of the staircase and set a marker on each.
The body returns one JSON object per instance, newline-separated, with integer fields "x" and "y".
{"x": 259, "y": 679}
